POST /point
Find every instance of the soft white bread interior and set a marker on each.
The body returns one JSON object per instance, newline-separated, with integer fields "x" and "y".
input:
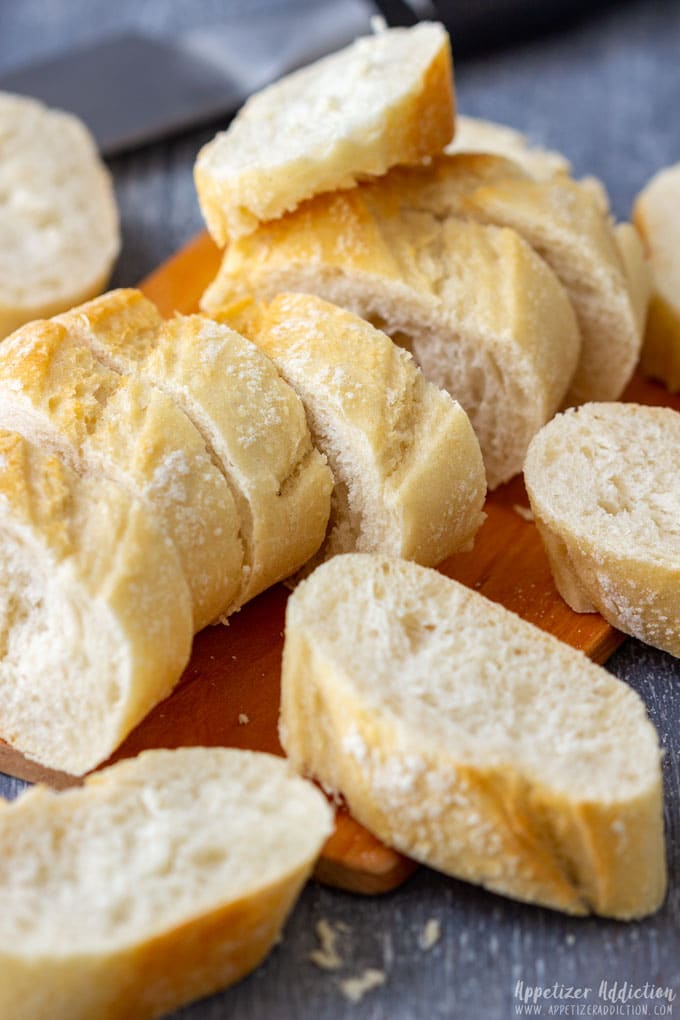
{"x": 59, "y": 231}
{"x": 409, "y": 477}
{"x": 161, "y": 880}
{"x": 250, "y": 419}
{"x": 656, "y": 214}
{"x": 603, "y": 486}
{"x": 471, "y": 740}
{"x": 55, "y": 392}
{"x": 95, "y": 614}
{"x": 483, "y": 315}
{"x": 386, "y": 99}
{"x": 485, "y": 136}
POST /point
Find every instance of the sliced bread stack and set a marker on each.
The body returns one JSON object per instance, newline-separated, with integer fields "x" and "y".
{"x": 160, "y": 880}
{"x": 193, "y": 429}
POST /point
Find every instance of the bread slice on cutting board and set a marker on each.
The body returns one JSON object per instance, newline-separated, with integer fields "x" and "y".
{"x": 656, "y": 214}
{"x": 471, "y": 740}
{"x": 161, "y": 880}
{"x": 409, "y": 477}
{"x": 386, "y": 99}
{"x": 483, "y": 315}
{"x": 603, "y": 486}
{"x": 96, "y": 616}
{"x": 250, "y": 419}
{"x": 59, "y": 232}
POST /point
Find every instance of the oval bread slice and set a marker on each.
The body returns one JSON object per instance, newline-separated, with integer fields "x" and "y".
{"x": 603, "y": 482}
{"x": 483, "y": 315}
{"x": 409, "y": 477}
{"x": 161, "y": 880}
{"x": 472, "y": 741}
{"x": 249, "y": 417}
{"x": 59, "y": 231}
{"x": 386, "y": 99}
{"x": 55, "y": 392}
{"x": 95, "y": 619}
{"x": 656, "y": 214}
{"x": 485, "y": 136}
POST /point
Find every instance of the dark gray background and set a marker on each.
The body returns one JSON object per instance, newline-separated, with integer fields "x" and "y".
{"x": 606, "y": 91}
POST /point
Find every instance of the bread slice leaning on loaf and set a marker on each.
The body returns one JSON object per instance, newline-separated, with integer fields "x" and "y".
{"x": 96, "y": 615}
{"x": 59, "y": 232}
{"x": 55, "y": 392}
{"x": 161, "y": 880}
{"x": 472, "y": 741}
{"x": 386, "y": 99}
{"x": 483, "y": 315}
{"x": 603, "y": 485}
{"x": 409, "y": 477}
{"x": 250, "y": 419}
{"x": 656, "y": 214}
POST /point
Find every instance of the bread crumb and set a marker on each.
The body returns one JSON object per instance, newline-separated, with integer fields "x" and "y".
{"x": 326, "y": 956}
{"x": 243, "y": 719}
{"x": 430, "y": 935}
{"x": 525, "y": 512}
{"x": 355, "y": 988}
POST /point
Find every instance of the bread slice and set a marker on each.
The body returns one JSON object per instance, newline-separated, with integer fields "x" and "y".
{"x": 656, "y": 214}
{"x": 161, "y": 880}
{"x": 59, "y": 231}
{"x": 385, "y": 99}
{"x": 483, "y": 315}
{"x": 250, "y": 419}
{"x": 603, "y": 485}
{"x": 409, "y": 477}
{"x": 471, "y": 740}
{"x": 55, "y": 393}
{"x": 485, "y": 136}
{"x": 638, "y": 272}
{"x": 95, "y": 617}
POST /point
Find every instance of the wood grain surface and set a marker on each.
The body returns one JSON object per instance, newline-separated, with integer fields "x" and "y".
{"x": 229, "y": 693}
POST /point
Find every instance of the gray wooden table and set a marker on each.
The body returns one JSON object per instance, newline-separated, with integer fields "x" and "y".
{"x": 606, "y": 91}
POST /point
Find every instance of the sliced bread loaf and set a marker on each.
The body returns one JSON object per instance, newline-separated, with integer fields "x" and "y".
{"x": 55, "y": 393}
{"x": 483, "y": 315}
{"x": 250, "y": 419}
{"x": 471, "y": 740}
{"x": 657, "y": 216}
{"x": 161, "y": 880}
{"x": 386, "y": 99}
{"x": 603, "y": 486}
{"x": 59, "y": 229}
{"x": 409, "y": 477}
{"x": 96, "y": 616}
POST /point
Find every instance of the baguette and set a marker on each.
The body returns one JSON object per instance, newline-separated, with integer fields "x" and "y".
{"x": 96, "y": 613}
{"x": 471, "y": 740}
{"x": 409, "y": 477}
{"x": 483, "y": 315}
{"x": 55, "y": 393}
{"x": 656, "y": 216}
{"x": 161, "y": 880}
{"x": 59, "y": 233}
{"x": 383, "y": 100}
{"x": 603, "y": 486}
{"x": 250, "y": 419}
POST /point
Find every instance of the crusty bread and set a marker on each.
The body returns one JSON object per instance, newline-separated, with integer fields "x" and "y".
{"x": 249, "y": 417}
{"x": 471, "y": 740}
{"x": 656, "y": 214}
{"x": 409, "y": 477}
{"x": 161, "y": 880}
{"x": 59, "y": 229}
{"x": 485, "y": 136}
{"x": 96, "y": 616}
{"x": 386, "y": 99}
{"x": 603, "y": 485}
{"x": 55, "y": 393}
{"x": 483, "y": 315}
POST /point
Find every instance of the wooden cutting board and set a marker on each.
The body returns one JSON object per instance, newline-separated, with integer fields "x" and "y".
{"x": 229, "y": 693}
